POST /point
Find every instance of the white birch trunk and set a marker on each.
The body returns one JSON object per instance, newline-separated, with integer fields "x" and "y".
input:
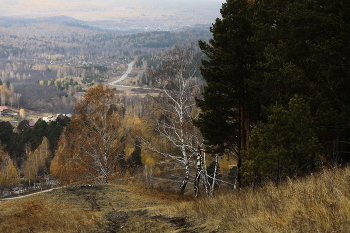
{"x": 186, "y": 178}
{"x": 214, "y": 177}
{"x": 198, "y": 173}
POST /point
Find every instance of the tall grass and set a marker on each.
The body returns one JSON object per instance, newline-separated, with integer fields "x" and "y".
{"x": 318, "y": 203}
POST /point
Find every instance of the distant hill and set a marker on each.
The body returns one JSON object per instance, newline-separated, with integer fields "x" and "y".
{"x": 126, "y": 13}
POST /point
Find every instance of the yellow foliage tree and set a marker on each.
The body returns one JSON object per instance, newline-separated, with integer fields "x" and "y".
{"x": 8, "y": 171}
{"x": 22, "y": 113}
{"x": 36, "y": 161}
{"x": 93, "y": 142}
{"x": 68, "y": 165}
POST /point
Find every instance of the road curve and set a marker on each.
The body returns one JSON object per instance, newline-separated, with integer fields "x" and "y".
{"x": 130, "y": 65}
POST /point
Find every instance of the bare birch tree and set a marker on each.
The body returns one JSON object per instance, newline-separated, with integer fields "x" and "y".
{"x": 176, "y": 108}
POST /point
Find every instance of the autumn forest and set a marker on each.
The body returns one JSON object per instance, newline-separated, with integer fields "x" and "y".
{"x": 190, "y": 102}
{"x": 48, "y": 67}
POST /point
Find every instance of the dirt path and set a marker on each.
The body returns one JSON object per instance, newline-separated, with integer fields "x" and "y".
{"x": 26, "y": 195}
{"x": 119, "y": 208}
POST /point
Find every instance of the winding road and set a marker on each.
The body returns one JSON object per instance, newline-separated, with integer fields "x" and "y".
{"x": 130, "y": 65}
{"x": 125, "y": 75}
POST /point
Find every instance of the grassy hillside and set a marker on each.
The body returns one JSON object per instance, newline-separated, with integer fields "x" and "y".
{"x": 319, "y": 203}
{"x": 109, "y": 208}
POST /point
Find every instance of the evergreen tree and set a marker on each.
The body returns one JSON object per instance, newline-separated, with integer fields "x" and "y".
{"x": 6, "y": 131}
{"x": 284, "y": 146}
{"x": 264, "y": 53}
{"x": 22, "y": 126}
{"x": 227, "y": 104}
{"x": 232, "y": 174}
{"x": 37, "y": 134}
{"x": 306, "y": 51}
{"x": 54, "y": 131}
{"x": 135, "y": 159}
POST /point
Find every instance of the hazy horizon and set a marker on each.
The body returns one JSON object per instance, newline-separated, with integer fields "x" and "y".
{"x": 167, "y": 12}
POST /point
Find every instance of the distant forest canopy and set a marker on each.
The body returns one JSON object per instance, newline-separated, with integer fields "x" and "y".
{"x": 49, "y": 61}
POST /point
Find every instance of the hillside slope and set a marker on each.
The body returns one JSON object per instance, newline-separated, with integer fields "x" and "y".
{"x": 107, "y": 208}
{"x": 318, "y": 203}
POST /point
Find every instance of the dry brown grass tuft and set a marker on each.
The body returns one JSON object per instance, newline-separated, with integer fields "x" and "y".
{"x": 169, "y": 196}
{"x": 35, "y": 215}
{"x": 319, "y": 203}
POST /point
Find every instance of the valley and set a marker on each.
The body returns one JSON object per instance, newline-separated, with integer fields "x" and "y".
{"x": 49, "y": 63}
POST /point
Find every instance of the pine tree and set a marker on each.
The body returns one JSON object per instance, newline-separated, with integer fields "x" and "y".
{"x": 135, "y": 159}
{"x": 6, "y": 130}
{"x": 307, "y": 51}
{"x": 286, "y": 145}
{"x": 227, "y": 104}
{"x": 262, "y": 54}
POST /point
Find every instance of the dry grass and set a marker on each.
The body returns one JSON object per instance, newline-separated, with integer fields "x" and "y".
{"x": 107, "y": 208}
{"x": 319, "y": 203}
{"x": 34, "y": 215}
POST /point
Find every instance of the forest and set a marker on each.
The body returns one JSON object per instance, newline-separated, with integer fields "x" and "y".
{"x": 265, "y": 100}
{"x": 48, "y": 65}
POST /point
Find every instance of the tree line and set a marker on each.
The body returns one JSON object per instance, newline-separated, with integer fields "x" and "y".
{"x": 27, "y": 151}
